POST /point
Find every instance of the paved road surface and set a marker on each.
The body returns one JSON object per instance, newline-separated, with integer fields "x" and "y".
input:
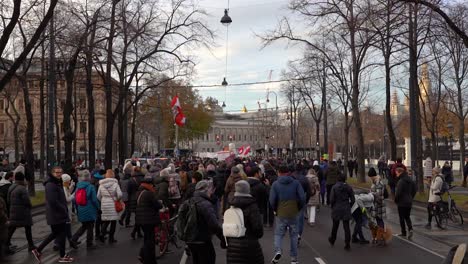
{"x": 314, "y": 248}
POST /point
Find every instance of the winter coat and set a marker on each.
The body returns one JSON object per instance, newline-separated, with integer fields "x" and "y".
{"x": 447, "y": 172}
{"x": 219, "y": 181}
{"x": 229, "y": 189}
{"x": 20, "y": 206}
{"x": 332, "y": 175}
{"x": 259, "y": 192}
{"x": 56, "y": 203}
{"x": 88, "y": 212}
{"x": 246, "y": 250}
{"x": 147, "y": 211}
{"x": 271, "y": 175}
{"x": 465, "y": 170}
{"x": 287, "y": 197}
{"x": 428, "y": 168}
{"x": 4, "y": 186}
{"x": 3, "y": 221}
{"x": 132, "y": 189}
{"x": 124, "y": 187}
{"x": 162, "y": 190}
{"x": 304, "y": 183}
{"x": 69, "y": 199}
{"x": 314, "y": 183}
{"x": 109, "y": 192}
{"x": 341, "y": 200}
{"x": 436, "y": 186}
{"x": 378, "y": 190}
{"x": 405, "y": 191}
{"x": 208, "y": 221}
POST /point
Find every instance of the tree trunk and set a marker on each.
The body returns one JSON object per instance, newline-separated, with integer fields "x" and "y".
{"x": 42, "y": 155}
{"x": 90, "y": 99}
{"x": 388, "y": 116}
{"x": 346, "y": 139}
{"x": 57, "y": 128}
{"x": 325, "y": 109}
{"x": 134, "y": 117}
{"x": 317, "y": 138}
{"x": 29, "y": 149}
{"x": 110, "y": 118}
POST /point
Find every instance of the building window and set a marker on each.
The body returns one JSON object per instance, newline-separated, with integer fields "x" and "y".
{"x": 2, "y": 129}
{"x": 2, "y": 105}
{"x": 82, "y": 103}
{"x": 83, "y": 127}
{"x": 245, "y": 137}
{"x": 82, "y": 148}
{"x": 203, "y": 149}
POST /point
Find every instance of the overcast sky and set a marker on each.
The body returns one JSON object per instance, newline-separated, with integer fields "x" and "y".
{"x": 247, "y": 62}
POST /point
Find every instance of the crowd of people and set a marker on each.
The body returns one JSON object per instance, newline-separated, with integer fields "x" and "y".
{"x": 232, "y": 200}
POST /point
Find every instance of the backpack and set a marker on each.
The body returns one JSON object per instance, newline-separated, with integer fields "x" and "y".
{"x": 445, "y": 187}
{"x": 187, "y": 221}
{"x": 233, "y": 225}
{"x": 80, "y": 197}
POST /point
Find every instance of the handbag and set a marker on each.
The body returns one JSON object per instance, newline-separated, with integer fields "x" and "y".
{"x": 119, "y": 206}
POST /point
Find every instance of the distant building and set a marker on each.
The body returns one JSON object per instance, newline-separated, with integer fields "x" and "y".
{"x": 12, "y": 98}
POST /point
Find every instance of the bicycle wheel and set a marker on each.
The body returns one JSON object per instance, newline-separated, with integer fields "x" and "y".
{"x": 161, "y": 241}
{"x": 456, "y": 216}
{"x": 441, "y": 220}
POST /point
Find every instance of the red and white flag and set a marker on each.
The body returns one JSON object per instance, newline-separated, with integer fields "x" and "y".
{"x": 241, "y": 151}
{"x": 177, "y": 114}
{"x": 247, "y": 150}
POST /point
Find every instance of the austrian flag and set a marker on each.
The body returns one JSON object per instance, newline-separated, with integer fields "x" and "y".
{"x": 177, "y": 114}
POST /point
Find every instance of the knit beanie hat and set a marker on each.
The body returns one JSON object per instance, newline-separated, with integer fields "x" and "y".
{"x": 66, "y": 178}
{"x": 316, "y": 163}
{"x": 242, "y": 189}
{"x": 371, "y": 172}
{"x": 202, "y": 186}
{"x": 235, "y": 170}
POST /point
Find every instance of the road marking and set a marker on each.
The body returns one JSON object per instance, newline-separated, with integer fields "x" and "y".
{"x": 419, "y": 246}
{"x": 320, "y": 260}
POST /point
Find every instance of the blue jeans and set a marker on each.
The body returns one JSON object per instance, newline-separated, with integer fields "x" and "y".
{"x": 281, "y": 225}
{"x": 300, "y": 221}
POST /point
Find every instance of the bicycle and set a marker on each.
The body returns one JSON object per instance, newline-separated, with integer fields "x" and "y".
{"x": 445, "y": 210}
{"x": 165, "y": 233}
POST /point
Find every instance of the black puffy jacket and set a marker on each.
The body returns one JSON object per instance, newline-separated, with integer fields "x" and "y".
{"x": 405, "y": 191}
{"x": 147, "y": 209}
{"x": 207, "y": 220}
{"x": 246, "y": 250}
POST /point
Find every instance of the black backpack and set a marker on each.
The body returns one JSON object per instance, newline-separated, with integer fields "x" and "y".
{"x": 187, "y": 221}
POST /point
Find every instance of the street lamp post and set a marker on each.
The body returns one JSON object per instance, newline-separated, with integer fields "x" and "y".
{"x": 450, "y": 129}
{"x": 276, "y": 115}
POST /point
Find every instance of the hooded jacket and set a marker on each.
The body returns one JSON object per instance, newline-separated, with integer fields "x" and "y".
{"x": 88, "y": 212}
{"x": 341, "y": 200}
{"x": 56, "y": 203}
{"x": 247, "y": 249}
{"x": 20, "y": 206}
{"x": 332, "y": 175}
{"x": 287, "y": 197}
{"x": 4, "y": 186}
{"x": 109, "y": 192}
{"x": 208, "y": 222}
{"x": 405, "y": 191}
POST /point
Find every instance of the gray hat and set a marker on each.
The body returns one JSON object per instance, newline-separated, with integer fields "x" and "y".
{"x": 242, "y": 189}
{"x": 202, "y": 186}
{"x": 235, "y": 169}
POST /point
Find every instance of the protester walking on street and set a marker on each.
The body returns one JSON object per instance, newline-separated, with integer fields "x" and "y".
{"x": 448, "y": 173}
{"x": 299, "y": 175}
{"x": 198, "y": 234}
{"x": 314, "y": 200}
{"x": 124, "y": 182}
{"x": 287, "y": 198}
{"x": 230, "y": 184}
{"x": 3, "y": 227}
{"x": 465, "y": 172}
{"x": 247, "y": 249}
{"x": 56, "y": 214}
{"x": 341, "y": 200}
{"x": 147, "y": 217}
{"x": 259, "y": 189}
{"x": 332, "y": 178}
{"x": 404, "y": 195}
{"x": 434, "y": 194}
{"x": 68, "y": 186}
{"x": 109, "y": 193}
{"x": 20, "y": 211}
{"x": 87, "y": 206}
{"x": 5, "y": 182}
{"x": 378, "y": 190}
